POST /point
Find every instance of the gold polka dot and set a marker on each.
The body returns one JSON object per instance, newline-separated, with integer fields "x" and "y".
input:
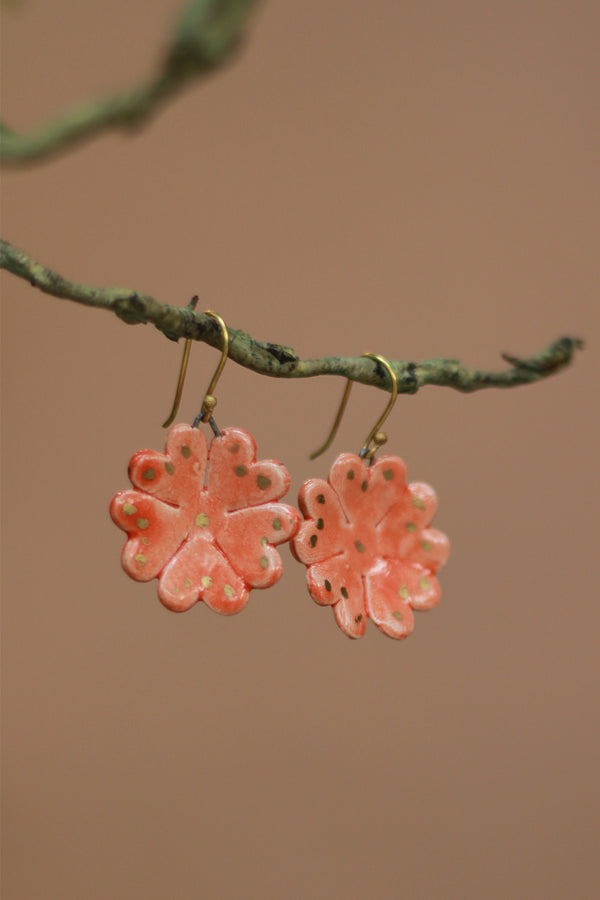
{"x": 344, "y": 593}
{"x": 403, "y": 592}
{"x": 149, "y": 474}
{"x": 202, "y": 520}
{"x": 169, "y": 468}
{"x": 206, "y": 581}
{"x": 388, "y": 474}
{"x": 327, "y": 585}
{"x": 263, "y": 482}
{"x": 360, "y": 547}
{"x": 313, "y": 540}
{"x": 418, "y": 503}
{"x": 228, "y": 591}
{"x": 350, "y": 475}
{"x": 264, "y": 562}
{"x": 320, "y": 524}
{"x": 398, "y": 615}
{"x": 240, "y": 471}
{"x": 142, "y": 523}
{"x": 129, "y": 509}
{"x": 277, "y": 524}
{"x": 141, "y": 559}
{"x": 145, "y": 540}
{"x": 425, "y": 584}
{"x": 264, "y": 541}
{"x": 188, "y": 582}
{"x": 427, "y": 546}
{"x": 410, "y": 526}
{"x": 364, "y": 485}
{"x": 320, "y": 498}
{"x": 185, "y": 451}
{"x": 234, "y": 448}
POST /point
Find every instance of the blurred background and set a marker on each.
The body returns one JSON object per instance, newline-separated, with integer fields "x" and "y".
{"x": 416, "y": 180}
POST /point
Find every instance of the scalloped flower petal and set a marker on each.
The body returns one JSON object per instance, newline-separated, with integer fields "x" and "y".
{"x": 248, "y": 537}
{"x": 367, "y": 493}
{"x": 323, "y": 534}
{"x": 350, "y": 611}
{"x": 388, "y": 599}
{"x": 235, "y": 476}
{"x": 433, "y": 549}
{"x": 177, "y": 475}
{"x": 330, "y": 581}
{"x": 201, "y": 572}
{"x": 155, "y": 532}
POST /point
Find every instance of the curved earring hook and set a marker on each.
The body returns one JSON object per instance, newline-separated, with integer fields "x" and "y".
{"x": 179, "y": 390}
{"x": 209, "y": 402}
{"x": 375, "y": 435}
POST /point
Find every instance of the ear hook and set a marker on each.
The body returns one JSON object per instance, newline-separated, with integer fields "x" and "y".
{"x": 375, "y": 435}
{"x": 183, "y": 369}
{"x": 209, "y": 402}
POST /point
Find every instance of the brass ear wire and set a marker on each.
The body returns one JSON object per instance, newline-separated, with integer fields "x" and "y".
{"x": 209, "y": 402}
{"x": 179, "y": 390}
{"x": 375, "y": 435}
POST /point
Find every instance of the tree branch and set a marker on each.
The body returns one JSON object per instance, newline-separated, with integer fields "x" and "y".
{"x": 205, "y": 37}
{"x": 279, "y": 361}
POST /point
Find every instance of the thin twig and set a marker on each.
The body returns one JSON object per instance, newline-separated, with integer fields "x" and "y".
{"x": 276, "y": 360}
{"x": 206, "y": 35}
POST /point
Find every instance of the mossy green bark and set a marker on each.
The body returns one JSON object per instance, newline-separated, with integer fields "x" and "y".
{"x": 276, "y": 360}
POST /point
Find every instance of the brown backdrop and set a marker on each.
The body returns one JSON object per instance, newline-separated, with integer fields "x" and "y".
{"x": 414, "y": 179}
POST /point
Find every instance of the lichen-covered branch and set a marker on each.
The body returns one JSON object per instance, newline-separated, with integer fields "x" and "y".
{"x": 205, "y": 37}
{"x": 276, "y": 360}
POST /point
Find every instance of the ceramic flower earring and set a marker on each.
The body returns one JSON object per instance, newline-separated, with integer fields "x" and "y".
{"x": 204, "y": 518}
{"x": 366, "y": 540}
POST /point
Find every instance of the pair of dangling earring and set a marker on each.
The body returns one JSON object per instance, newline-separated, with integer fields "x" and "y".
{"x": 205, "y": 520}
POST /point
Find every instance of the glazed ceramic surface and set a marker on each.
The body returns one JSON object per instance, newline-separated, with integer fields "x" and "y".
{"x": 367, "y": 544}
{"x": 203, "y": 519}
